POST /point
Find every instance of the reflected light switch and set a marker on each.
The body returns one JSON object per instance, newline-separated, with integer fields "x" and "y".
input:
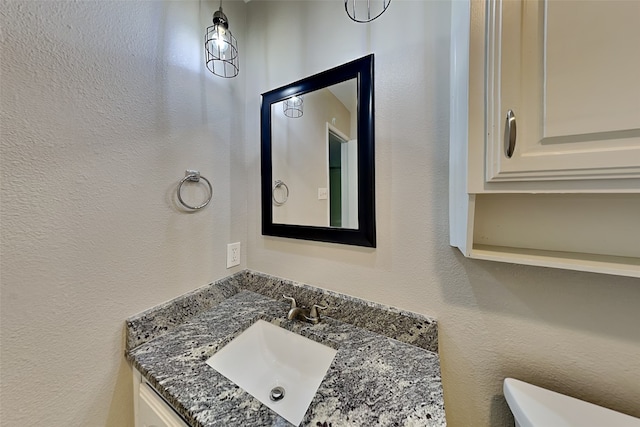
{"x": 322, "y": 194}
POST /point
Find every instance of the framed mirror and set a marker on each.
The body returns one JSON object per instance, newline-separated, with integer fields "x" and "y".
{"x": 317, "y": 157}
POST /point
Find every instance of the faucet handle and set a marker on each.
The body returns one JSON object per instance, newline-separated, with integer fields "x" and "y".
{"x": 315, "y": 308}
{"x": 314, "y": 315}
{"x": 292, "y": 299}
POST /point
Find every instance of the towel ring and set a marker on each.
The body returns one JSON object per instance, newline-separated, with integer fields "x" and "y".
{"x": 277, "y": 185}
{"x": 194, "y": 176}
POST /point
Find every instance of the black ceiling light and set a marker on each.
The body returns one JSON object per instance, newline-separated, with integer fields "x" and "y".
{"x": 364, "y": 11}
{"x": 220, "y": 47}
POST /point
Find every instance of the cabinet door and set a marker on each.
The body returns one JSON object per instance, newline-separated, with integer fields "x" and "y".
{"x": 570, "y": 72}
{"x": 154, "y": 412}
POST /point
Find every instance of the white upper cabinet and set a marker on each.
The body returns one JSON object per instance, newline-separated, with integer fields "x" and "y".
{"x": 545, "y": 133}
{"x": 569, "y": 72}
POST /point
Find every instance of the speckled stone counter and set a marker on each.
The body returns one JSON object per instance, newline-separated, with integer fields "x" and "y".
{"x": 373, "y": 380}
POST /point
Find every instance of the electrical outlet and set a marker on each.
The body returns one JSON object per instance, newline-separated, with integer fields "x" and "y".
{"x": 323, "y": 194}
{"x": 233, "y": 254}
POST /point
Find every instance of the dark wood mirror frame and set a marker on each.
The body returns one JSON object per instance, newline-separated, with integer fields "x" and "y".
{"x": 365, "y": 234}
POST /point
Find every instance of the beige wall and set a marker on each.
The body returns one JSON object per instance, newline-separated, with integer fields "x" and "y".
{"x": 104, "y": 106}
{"x": 574, "y": 332}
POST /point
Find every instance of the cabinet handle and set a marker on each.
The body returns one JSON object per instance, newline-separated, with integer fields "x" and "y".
{"x": 510, "y": 134}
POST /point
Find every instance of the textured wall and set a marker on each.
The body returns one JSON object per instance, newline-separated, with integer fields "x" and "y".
{"x": 574, "y": 332}
{"x": 104, "y": 106}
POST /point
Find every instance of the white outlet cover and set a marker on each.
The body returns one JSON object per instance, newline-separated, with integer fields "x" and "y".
{"x": 233, "y": 254}
{"x": 322, "y": 193}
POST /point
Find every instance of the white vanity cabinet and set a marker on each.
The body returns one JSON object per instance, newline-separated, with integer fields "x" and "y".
{"x": 557, "y": 183}
{"x": 150, "y": 409}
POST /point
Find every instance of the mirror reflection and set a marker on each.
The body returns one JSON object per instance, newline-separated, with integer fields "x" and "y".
{"x": 314, "y": 158}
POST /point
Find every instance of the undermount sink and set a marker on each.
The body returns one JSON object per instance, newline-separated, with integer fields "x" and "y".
{"x": 281, "y": 369}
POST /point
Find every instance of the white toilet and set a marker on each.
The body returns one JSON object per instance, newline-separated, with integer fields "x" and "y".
{"x": 534, "y": 406}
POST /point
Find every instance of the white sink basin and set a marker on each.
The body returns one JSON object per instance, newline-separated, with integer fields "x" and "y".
{"x": 265, "y": 357}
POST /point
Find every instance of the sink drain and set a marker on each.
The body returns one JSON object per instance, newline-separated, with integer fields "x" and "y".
{"x": 277, "y": 393}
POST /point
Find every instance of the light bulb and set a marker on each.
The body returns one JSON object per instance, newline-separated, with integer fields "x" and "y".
{"x": 220, "y": 40}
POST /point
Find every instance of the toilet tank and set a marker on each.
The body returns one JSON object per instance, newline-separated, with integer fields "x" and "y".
{"x": 534, "y": 406}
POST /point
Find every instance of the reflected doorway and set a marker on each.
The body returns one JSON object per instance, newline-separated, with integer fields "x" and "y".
{"x": 342, "y": 175}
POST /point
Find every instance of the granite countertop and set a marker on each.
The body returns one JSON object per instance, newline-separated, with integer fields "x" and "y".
{"x": 374, "y": 379}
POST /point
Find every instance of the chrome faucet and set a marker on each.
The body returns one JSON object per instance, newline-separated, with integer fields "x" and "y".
{"x": 302, "y": 313}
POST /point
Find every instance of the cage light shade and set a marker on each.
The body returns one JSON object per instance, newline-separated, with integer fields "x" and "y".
{"x": 364, "y": 11}
{"x": 221, "y": 48}
{"x": 293, "y": 107}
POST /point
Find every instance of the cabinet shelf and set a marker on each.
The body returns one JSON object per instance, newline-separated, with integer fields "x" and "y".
{"x": 587, "y": 232}
{"x": 607, "y": 264}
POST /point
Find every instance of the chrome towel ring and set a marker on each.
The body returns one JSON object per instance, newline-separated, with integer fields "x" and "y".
{"x": 283, "y": 200}
{"x": 194, "y": 176}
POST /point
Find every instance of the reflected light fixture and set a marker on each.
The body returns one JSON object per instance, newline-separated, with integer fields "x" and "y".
{"x": 220, "y": 47}
{"x": 364, "y": 11}
{"x": 293, "y": 107}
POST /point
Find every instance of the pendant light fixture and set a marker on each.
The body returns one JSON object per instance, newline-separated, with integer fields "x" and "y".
{"x": 220, "y": 47}
{"x": 293, "y": 107}
{"x": 364, "y": 11}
